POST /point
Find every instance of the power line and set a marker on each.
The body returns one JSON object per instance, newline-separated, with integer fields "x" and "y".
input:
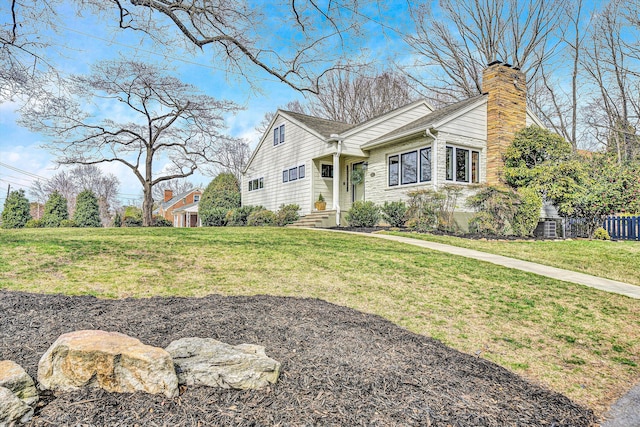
{"x": 13, "y": 168}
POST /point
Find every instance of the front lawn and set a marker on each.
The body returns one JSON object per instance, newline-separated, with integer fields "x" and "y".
{"x": 612, "y": 260}
{"x": 580, "y": 341}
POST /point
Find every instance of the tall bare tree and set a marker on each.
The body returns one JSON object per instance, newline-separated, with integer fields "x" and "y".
{"x": 458, "y": 39}
{"x": 354, "y": 96}
{"x": 295, "y": 42}
{"x": 165, "y": 120}
{"x": 551, "y": 97}
{"x": 613, "y": 67}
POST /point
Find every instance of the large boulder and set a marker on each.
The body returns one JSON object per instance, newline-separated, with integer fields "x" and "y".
{"x": 16, "y": 379}
{"x": 13, "y": 410}
{"x": 109, "y": 360}
{"x": 208, "y": 362}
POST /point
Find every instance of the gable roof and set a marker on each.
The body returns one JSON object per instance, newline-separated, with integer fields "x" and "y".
{"x": 172, "y": 201}
{"x": 324, "y": 127}
{"x": 435, "y": 118}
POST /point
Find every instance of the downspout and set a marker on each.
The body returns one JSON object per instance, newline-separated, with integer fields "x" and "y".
{"x": 434, "y": 159}
{"x": 336, "y": 179}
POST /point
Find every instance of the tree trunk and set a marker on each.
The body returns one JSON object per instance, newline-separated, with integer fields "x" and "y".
{"x": 147, "y": 207}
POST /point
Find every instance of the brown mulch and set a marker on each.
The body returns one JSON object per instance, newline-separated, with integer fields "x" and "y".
{"x": 339, "y": 367}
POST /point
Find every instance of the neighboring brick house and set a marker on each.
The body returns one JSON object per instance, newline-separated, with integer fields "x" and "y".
{"x": 181, "y": 210}
{"x": 409, "y": 148}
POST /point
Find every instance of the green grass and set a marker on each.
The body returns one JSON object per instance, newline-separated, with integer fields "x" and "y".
{"x": 576, "y": 340}
{"x": 612, "y": 260}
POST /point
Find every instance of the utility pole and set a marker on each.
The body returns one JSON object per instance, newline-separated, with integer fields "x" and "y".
{"x": 8, "y": 190}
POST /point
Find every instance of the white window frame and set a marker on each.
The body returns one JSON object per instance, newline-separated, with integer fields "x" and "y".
{"x": 453, "y": 167}
{"x": 259, "y": 183}
{"x": 332, "y": 171}
{"x": 278, "y": 135}
{"x": 399, "y": 156}
{"x": 297, "y": 170}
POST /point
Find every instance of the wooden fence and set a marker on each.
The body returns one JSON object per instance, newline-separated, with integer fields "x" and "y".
{"x": 623, "y": 227}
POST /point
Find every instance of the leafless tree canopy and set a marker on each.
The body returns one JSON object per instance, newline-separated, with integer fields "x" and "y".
{"x": 295, "y": 42}
{"x": 465, "y": 35}
{"x": 177, "y": 186}
{"x": 154, "y": 116}
{"x": 82, "y": 177}
{"x": 355, "y": 96}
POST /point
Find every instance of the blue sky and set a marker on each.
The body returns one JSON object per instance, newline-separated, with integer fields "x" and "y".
{"x": 86, "y": 40}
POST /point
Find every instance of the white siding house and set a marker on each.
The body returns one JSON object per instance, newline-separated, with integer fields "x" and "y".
{"x": 412, "y": 147}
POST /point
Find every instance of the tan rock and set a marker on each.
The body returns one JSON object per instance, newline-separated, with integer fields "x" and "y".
{"x": 208, "y": 362}
{"x": 16, "y": 379}
{"x": 109, "y": 360}
{"x": 13, "y": 411}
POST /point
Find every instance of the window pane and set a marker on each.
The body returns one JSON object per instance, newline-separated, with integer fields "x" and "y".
{"x": 250, "y": 185}
{"x": 281, "y": 134}
{"x": 285, "y": 176}
{"x": 393, "y": 170}
{"x": 425, "y": 164}
{"x": 475, "y": 167}
{"x": 301, "y": 171}
{"x": 293, "y": 174}
{"x": 409, "y": 166}
{"x": 261, "y": 183}
{"x": 327, "y": 171}
{"x": 462, "y": 165}
{"x": 449, "y": 165}
{"x": 276, "y": 135}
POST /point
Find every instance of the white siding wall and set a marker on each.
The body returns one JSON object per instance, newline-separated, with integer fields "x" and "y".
{"x": 472, "y": 124}
{"x": 299, "y": 147}
{"x": 467, "y": 131}
{"x": 379, "y": 129}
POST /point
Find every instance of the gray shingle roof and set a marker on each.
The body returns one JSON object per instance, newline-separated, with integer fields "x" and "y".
{"x": 430, "y": 119}
{"x": 323, "y": 126}
{"x": 174, "y": 199}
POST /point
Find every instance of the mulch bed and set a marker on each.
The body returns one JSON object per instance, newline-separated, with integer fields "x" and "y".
{"x": 339, "y": 367}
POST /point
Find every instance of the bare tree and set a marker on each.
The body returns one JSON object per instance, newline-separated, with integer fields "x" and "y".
{"x": 177, "y": 186}
{"x": 238, "y": 34}
{"x": 295, "y": 106}
{"x": 352, "y": 96}
{"x": 461, "y": 37}
{"x": 234, "y": 156}
{"x": 614, "y": 68}
{"x": 82, "y": 177}
{"x": 165, "y": 119}
{"x": 551, "y": 98}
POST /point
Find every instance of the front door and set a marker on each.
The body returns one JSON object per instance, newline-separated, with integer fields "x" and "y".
{"x": 357, "y": 181}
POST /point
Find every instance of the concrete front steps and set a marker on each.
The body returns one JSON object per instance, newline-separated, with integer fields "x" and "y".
{"x": 317, "y": 219}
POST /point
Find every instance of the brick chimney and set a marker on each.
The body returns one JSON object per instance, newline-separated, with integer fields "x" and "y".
{"x": 168, "y": 195}
{"x": 506, "y": 113}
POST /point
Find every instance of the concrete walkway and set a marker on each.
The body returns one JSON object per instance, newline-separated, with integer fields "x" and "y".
{"x": 606, "y": 285}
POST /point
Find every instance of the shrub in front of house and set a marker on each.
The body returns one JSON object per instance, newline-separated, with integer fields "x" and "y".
{"x": 287, "y": 214}
{"x": 68, "y": 223}
{"x": 215, "y": 217}
{"x": 159, "y": 221}
{"x": 601, "y": 234}
{"x": 394, "y": 213}
{"x": 424, "y": 207}
{"x": 238, "y": 217}
{"x": 34, "y": 223}
{"x": 132, "y": 222}
{"x": 221, "y": 195}
{"x": 527, "y": 214}
{"x": 363, "y": 214}
{"x": 504, "y": 212}
{"x": 261, "y": 218}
